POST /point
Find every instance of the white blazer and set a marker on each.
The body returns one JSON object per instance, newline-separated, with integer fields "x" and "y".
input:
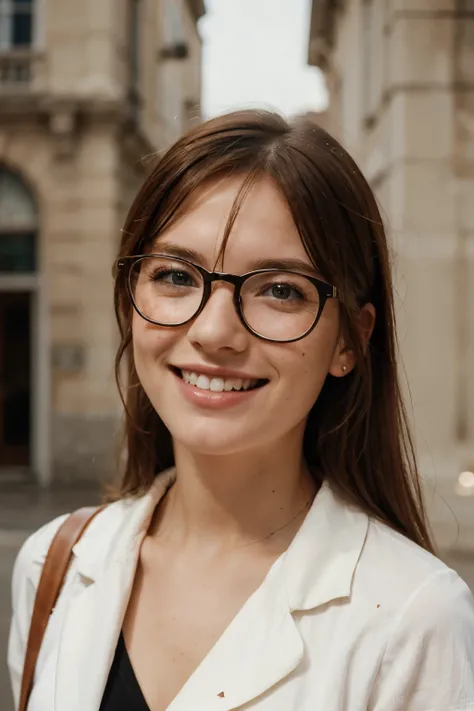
{"x": 353, "y": 617}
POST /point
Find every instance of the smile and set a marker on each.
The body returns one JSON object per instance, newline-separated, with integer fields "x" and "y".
{"x": 217, "y": 383}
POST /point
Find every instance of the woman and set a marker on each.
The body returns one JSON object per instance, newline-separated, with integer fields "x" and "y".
{"x": 268, "y": 548}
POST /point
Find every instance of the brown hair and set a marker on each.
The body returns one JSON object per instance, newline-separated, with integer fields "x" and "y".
{"x": 357, "y": 436}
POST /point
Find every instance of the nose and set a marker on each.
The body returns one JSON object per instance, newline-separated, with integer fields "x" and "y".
{"x": 218, "y": 326}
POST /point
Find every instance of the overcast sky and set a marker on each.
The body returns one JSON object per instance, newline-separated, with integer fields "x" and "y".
{"x": 254, "y": 54}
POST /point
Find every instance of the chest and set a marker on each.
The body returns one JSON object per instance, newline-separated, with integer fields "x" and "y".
{"x": 176, "y": 615}
{"x": 265, "y": 660}
{"x": 209, "y": 640}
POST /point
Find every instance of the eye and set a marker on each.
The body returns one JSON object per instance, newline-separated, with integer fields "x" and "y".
{"x": 173, "y": 277}
{"x": 283, "y": 292}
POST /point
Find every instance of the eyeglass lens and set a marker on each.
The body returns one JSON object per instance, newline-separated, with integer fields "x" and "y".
{"x": 275, "y": 305}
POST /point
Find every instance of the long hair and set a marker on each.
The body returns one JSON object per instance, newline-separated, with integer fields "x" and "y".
{"x": 357, "y": 437}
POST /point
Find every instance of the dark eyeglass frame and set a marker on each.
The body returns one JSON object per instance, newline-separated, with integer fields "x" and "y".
{"x": 326, "y": 291}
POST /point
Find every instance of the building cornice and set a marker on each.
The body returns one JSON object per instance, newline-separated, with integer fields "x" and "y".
{"x": 321, "y": 35}
{"x": 197, "y": 8}
{"x": 66, "y": 116}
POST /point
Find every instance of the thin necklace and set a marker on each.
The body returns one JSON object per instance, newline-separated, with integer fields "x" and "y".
{"x": 277, "y": 530}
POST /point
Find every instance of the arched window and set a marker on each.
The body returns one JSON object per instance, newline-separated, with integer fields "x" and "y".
{"x": 18, "y": 224}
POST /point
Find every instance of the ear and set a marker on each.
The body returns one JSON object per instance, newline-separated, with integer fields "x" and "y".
{"x": 344, "y": 358}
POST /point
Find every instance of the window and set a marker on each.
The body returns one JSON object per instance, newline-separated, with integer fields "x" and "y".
{"x": 18, "y": 225}
{"x": 16, "y": 23}
{"x": 173, "y": 23}
{"x": 173, "y": 38}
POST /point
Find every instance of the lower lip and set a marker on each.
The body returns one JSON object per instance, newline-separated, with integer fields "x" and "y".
{"x": 212, "y": 400}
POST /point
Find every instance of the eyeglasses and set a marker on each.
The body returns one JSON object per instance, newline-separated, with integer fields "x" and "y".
{"x": 273, "y": 304}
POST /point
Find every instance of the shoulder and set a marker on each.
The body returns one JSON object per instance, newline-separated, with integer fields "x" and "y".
{"x": 428, "y": 656}
{"x": 428, "y": 596}
{"x": 30, "y": 559}
{"x": 32, "y": 555}
{"x": 413, "y": 594}
{"x": 100, "y": 537}
{"x": 440, "y": 611}
{"x": 409, "y": 594}
{"x": 396, "y": 570}
{"x": 426, "y": 612}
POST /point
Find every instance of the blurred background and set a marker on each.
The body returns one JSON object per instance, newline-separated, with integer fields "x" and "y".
{"x": 91, "y": 91}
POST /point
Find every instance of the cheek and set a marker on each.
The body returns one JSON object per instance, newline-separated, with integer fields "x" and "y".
{"x": 309, "y": 375}
{"x": 305, "y": 367}
{"x": 140, "y": 339}
{"x": 150, "y": 341}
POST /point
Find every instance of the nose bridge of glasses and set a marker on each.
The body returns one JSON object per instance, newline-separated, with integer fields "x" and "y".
{"x": 216, "y": 303}
{"x": 232, "y": 279}
{"x": 228, "y": 278}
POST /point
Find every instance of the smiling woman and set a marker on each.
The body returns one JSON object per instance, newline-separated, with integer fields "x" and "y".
{"x": 267, "y": 547}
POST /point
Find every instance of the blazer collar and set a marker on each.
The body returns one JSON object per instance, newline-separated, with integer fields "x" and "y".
{"x": 93, "y": 616}
{"x": 317, "y": 567}
{"x": 95, "y": 553}
{"x": 320, "y": 563}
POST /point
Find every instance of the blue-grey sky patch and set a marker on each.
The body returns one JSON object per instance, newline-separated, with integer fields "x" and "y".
{"x": 255, "y": 54}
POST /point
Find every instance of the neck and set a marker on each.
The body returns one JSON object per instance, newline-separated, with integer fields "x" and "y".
{"x": 231, "y": 501}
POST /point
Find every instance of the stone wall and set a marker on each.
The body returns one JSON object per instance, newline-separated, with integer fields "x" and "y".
{"x": 84, "y": 145}
{"x": 401, "y": 81}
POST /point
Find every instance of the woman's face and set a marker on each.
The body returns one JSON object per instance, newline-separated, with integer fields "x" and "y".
{"x": 216, "y": 344}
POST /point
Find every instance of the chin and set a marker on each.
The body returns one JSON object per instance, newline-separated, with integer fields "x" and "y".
{"x": 211, "y": 438}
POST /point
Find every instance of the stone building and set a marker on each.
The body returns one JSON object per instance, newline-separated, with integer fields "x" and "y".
{"x": 87, "y": 89}
{"x": 400, "y": 75}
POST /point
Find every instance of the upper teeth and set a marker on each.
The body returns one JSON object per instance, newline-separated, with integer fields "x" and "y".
{"x": 217, "y": 385}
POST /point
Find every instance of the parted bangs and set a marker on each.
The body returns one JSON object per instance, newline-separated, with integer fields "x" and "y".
{"x": 306, "y": 164}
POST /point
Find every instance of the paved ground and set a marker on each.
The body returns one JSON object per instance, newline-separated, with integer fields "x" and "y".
{"x": 23, "y": 509}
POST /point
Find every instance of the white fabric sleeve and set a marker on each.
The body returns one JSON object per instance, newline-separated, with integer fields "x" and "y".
{"x": 428, "y": 664}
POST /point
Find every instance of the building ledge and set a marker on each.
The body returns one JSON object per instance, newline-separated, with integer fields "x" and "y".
{"x": 65, "y": 117}
{"x": 22, "y": 70}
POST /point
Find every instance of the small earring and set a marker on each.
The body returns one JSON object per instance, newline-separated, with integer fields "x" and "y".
{"x": 344, "y": 368}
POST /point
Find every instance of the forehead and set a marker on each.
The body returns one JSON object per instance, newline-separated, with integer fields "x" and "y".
{"x": 264, "y": 226}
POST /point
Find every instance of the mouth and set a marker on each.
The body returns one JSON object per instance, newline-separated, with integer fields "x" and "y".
{"x": 218, "y": 384}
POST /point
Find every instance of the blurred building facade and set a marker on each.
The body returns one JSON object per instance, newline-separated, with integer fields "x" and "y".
{"x": 400, "y": 75}
{"x": 87, "y": 89}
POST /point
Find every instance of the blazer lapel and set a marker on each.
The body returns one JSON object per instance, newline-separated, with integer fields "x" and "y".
{"x": 263, "y": 645}
{"x": 88, "y": 639}
{"x": 93, "y": 616}
{"x": 260, "y": 647}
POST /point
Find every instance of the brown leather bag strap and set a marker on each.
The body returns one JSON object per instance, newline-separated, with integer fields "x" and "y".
{"x": 54, "y": 571}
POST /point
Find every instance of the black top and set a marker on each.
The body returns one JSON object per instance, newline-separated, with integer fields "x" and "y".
{"x": 122, "y": 692}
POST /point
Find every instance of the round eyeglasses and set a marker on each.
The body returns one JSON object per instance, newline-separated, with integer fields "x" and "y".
{"x": 273, "y": 304}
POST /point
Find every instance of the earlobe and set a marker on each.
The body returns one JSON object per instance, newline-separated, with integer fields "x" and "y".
{"x": 344, "y": 357}
{"x": 343, "y": 362}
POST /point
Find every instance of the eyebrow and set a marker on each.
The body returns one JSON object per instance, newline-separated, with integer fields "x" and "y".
{"x": 175, "y": 250}
{"x": 290, "y": 264}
